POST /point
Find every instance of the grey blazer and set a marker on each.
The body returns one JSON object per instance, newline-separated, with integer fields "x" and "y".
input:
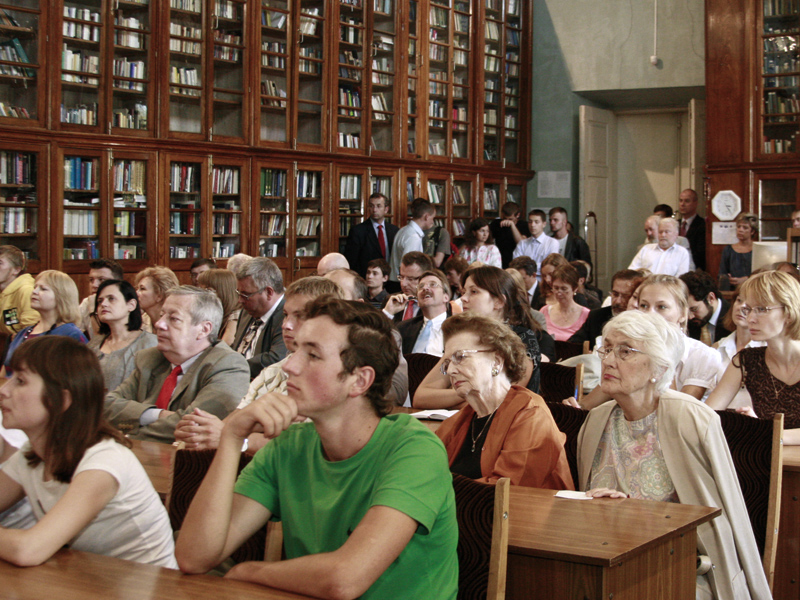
{"x": 269, "y": 346}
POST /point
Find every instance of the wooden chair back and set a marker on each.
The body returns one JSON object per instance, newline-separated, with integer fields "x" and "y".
{"x": 419, "y": 365}
{"x": 557, "y": 382}
{"x": 188, "y": 470}
{"x": 482, "y": 513}
{"x": 569, "y": 420}
{"x": 757, "y": 452}
{"x": 566, "y": 350}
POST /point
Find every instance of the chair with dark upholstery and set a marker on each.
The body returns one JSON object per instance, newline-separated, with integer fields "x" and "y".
{"x": 569, "y": 420}
{"x": 566, "y": 350}
{"x": 188, "y": 470}
{"x": 482, "y": 513}
{"x": 557, "y": 381}
{"x": 757, "y": 452}
{"x": 419, "y": 365}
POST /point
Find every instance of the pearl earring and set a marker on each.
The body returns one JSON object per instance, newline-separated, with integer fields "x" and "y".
{"x": 653, "y": 380}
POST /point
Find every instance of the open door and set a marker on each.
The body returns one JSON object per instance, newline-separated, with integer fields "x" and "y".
{"x": 597, "y": 190}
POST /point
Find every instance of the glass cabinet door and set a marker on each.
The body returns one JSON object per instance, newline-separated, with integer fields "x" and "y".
{"x": 134, "y": 204}
{"x": 185, "y": 75}
{"x": 439, "y": 78}
{"x": 274, "y": 69}
{"x": 82, "y": 208}
{"x": 22, "y": 189}
{"x": 351, "y": 204}
{"x": 308, "y": 213}
{"x": 132, "y": 92}
{"x": 413, "y": 68}
{"x": 311, "y": 130}
{"x": 21, "y": 62}
{"x": 384, "y": 181}
{"x": 274, "y": 192}
{"x": 185, "y": 213}
{"x": 82, "y": 63}
{"x": 512, "y": 127}
{"x": 228, "y": 187}
{"x": 780, "y": 77}
{"x": 437, "y": 195}
{"x": 460, "y": 147}
{"x": 462, "y": 209}
{"x": 383, "y": 92}
{"x": 228, "y": 74}
{"x": 777, "y": 199}
{"x": 490, "y": 203}
{"x": 349, "y": 116}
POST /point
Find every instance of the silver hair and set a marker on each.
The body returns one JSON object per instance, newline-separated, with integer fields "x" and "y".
{"x": 206, "y": 306}
{"x": 265, "y": 273}
{"x": 671, "y": 221}
{"x": 236, "y": 262}
{"x": 661, "y": 341}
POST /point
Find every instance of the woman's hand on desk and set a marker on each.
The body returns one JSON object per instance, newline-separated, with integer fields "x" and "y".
{"x": 605, "y": 493}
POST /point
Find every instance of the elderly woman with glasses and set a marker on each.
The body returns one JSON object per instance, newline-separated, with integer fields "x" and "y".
{"x": 770, "y": 373}
{"x": 654, "y": 443}
{"x": 505, "y": 430}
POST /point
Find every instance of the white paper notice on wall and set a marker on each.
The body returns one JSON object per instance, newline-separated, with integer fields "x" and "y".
{"x": 723, "y": 233}
{"x": 554, "y": 184}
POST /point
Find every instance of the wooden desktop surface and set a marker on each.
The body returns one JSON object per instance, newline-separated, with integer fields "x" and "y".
{"x": 156, "y": 459}
{"x": 73, "y": 575}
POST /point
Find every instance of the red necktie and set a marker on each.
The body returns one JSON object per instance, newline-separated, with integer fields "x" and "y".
{"x": 381, "y": 241}
{"x": 684, "y": 227}
{"x": 168, "y": 388}
{"x": 409, "y": 314}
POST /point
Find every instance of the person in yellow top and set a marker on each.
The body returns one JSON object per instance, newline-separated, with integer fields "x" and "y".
{"x": 15, "y": 292}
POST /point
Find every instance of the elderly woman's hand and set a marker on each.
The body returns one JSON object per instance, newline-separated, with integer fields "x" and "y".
{"x": 605, "y": 493}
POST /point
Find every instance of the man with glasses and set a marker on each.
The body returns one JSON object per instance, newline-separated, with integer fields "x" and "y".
{"x": 403, "y": 306}
{"x": 423, "y": 333}
{"x": 258, "y": 337}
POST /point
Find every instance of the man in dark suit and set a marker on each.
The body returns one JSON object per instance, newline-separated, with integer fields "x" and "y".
{"x": 623, "y": 284}
{"x": 527, "y": 268}
{"x": 258, "y": 336}
{"x": 693, "y": 227}
{"x": 707, "y": 307}
{"x": 364, "y": 241}
{"x": 571, "y": 246}
{"x": 508, "y": 231}
{"x": 423, "y": 333}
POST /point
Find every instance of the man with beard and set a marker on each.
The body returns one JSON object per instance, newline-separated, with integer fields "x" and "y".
{"x": 623, "y": 284}
{"x": 706, "y": 307}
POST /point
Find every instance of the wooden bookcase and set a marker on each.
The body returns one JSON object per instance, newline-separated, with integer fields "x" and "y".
{"x": 202, "y": 128}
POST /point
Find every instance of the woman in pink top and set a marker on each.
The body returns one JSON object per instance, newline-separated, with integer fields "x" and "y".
{"x": 566, "y": 316}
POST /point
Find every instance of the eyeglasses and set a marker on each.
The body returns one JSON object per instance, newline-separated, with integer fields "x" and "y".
{"x": 244, "y": 296}
{"x": 760, "y": 310}
{"x": 621, "y": 352}
{"x": 457, "y": 358}
{"x": 408, "y": 279}
{"x": 431, "y": 285}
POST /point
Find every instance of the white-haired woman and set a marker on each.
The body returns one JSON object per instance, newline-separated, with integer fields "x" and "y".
{"x": 655, "y": 443}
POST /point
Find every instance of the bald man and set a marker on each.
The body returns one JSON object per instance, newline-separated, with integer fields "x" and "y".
{"x": 331, "y": 262}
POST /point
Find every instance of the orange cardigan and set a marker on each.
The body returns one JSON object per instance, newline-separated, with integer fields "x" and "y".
{"x": 523, "y": 442}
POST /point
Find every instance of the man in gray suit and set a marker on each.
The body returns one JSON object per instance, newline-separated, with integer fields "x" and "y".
{"x": 188, "y": 369}
{"x": 258, "y": 336}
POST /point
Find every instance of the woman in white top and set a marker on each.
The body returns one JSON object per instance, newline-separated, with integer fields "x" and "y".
{"x": 87, "y": 490}
{"x": 479, "y": 247}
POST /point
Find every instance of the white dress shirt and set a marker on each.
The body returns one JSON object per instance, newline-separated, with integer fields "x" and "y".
{"x": 675, "y": 260}
{"x": 538, "y": 249}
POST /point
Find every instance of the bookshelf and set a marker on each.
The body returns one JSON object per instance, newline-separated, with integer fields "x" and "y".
{"x": 22, "y": 176}
{"x": 351, "y": 202}
{"x": 384, "y": 132}
{"x": 133, "y": 196}
{"x": 463, "y": 207}
{"x": 187, "y": 185}
{"x": 777, "y": 196}
{"x": 311, "y": 82}
{"x": 229, "y": 212}
{"x": 82, "y": 178}
{"x": 274, "y": 73}
{"x": 274, "y": 192}
{"x": 21, "y": 98}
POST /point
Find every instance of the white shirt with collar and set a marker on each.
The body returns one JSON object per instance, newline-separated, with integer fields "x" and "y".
{"x": 248, "y": 353}
{"x": 436, "y": 341}
{"x": 538, "y": 248}
{"x": 675, "y": 260}
{"x": 408, "y": 239}
{"x": 532, "y": 291}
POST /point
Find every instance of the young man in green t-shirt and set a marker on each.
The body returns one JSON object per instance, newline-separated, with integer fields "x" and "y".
{"x": 366, "y": 500}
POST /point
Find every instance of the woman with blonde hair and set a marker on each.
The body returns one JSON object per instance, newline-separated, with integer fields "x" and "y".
{"x": 770, "y": 373}
{"x": 152, "y": 285}
{"x": 737, "y": 259}
{"x": 223, "y": 282}
{"x": 55, "y": 298}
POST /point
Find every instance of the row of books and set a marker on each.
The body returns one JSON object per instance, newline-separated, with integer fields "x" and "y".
{"x": 308, "y": 26}
{"x": 273, "y": 19}
{"x": 126, "y": 118}
{"x": 223, "y": 249}
{"x": 271, "y": 249}
{"x": 129, "y": 176}
{"x": 349, "y": 140}
{"x": 128, "y": 251}
{"x": 273, "y": 225}
{"x": 129, "y": 39}
{"x": 273, "y": 182}
{"x": 187, "y": 5}
{"x": 82, "y": 14}
{"x": 227, "y": 9}
{"x": 779, "y": 146}
{"x": 437, "y": 52}
{"x": 227, "y": 53}
{"x": 777, "y": 104}
{"x": 381, "y": 78}
{"x": 130, "y": 223}
{"x": 11, "y": 110}
{"x": 28, "y": 197}
{"x": 379, "y": 104}
{"x": 438, "y": 17}
{"x": 490, "y": 198}
{"x": 184, "y": 223}
{"x": 350, "y": 35}
{"x": 184, "y": 46}
{"x": 309, "y": 184}
{"x": 184, "y": 251}
{"x": 17, "y": 220}
{"x": 17, "y": 168}
{"x": 88, "y": 250}
{"x": 12, "y": 51}
{"x": 271, "y": 88}
{"x": 775, "y": 8}
{"x": 81, "y": 222}
{"x": 437, "y": 109}
{"x": 81, "y": 31}
{"x": 225, "y": 180}
{"x": 184, "y": 76}
{"x": 81, "y": 173}
{"x": 227, "y": 224}
{"x": 82, "y": 114}
{"x": 307, "y": 225}
{"x": 183, "y": 177}
{"x": 79, "y": 60}
{"x": 350, "y": 187}
{"x": 134, "y": 69}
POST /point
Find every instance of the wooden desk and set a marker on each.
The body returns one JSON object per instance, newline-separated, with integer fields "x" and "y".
{"x": 72, "y": 575}
{"x": 599, "y": 549}
{"x": 157, "y": 462}
{"x": 787, "y": 561}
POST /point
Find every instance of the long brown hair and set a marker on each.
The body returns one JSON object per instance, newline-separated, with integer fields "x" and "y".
{"x": 66, "y": 365}
{"x": 501, "y": 285}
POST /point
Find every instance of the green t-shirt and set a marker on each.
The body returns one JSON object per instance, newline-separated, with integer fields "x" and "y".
{"x": 403, "y": 466}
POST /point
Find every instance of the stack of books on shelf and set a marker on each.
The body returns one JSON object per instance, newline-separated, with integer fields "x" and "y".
{"x": 308, "y": 184}
{"x": 80, "y": 222}
{"x": 227, "y": 224}
{"x": 17, "y": 112}
{"x": 273, "y": 19}
{"x": 127, "y": 251}
{"x": 459, "y": 197}
{"x": 131, "y": 69}
{"x": 379, "y": 105}
{"x": 271, "y": 250}
{"x": 194, "y": 6}
{"x": 81, "y": 174}
{"x": 129, "y": 176}
{"x": 490, "y": 199}
{"x": 274, "y": 55}
{"x": 16, "y": 168}
{"x": 183, "y": 223}
{"x": 86, "y": 251}
{"x": 308, "y": 25}
{"x": 349, "y": 34}
{"x": 308, "y": 225}
{"x": 128, "y": 39}
{"x": 223, "y": 249}
{"x": 270, "y": 88}
{"x": 435, "y": 192}
{"x": 128, "y": 224}
{"x": 225, "y": 180}
{"x": 227, "y": 9}
{"x": 15, "y": 220}
{"x": 183, "y": 178}
{"x": 131, "y": 119}
{"x": 273, "y": 182}
{"x": 349, "y": 97}
{"x": 460, "y": 227}
{"x": 273, "y": 225}
{"x": 382, "y": 185}
{"x": 185, "y": 76}
{"x": 349, "y": 140}
{"x": 13, "y": 51}
{"x": 80, "y": 61}
{"x": 185, "y": 251}
{"x": 350, "y": 187}
{"x": 82, "y": 114}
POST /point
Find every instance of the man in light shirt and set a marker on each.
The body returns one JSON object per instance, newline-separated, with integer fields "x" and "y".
{"x": 423, "y": 333}
{"x": 410, "y": 238}
{"x": 538, "y": 246}
{"x": 664, "y": 257}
